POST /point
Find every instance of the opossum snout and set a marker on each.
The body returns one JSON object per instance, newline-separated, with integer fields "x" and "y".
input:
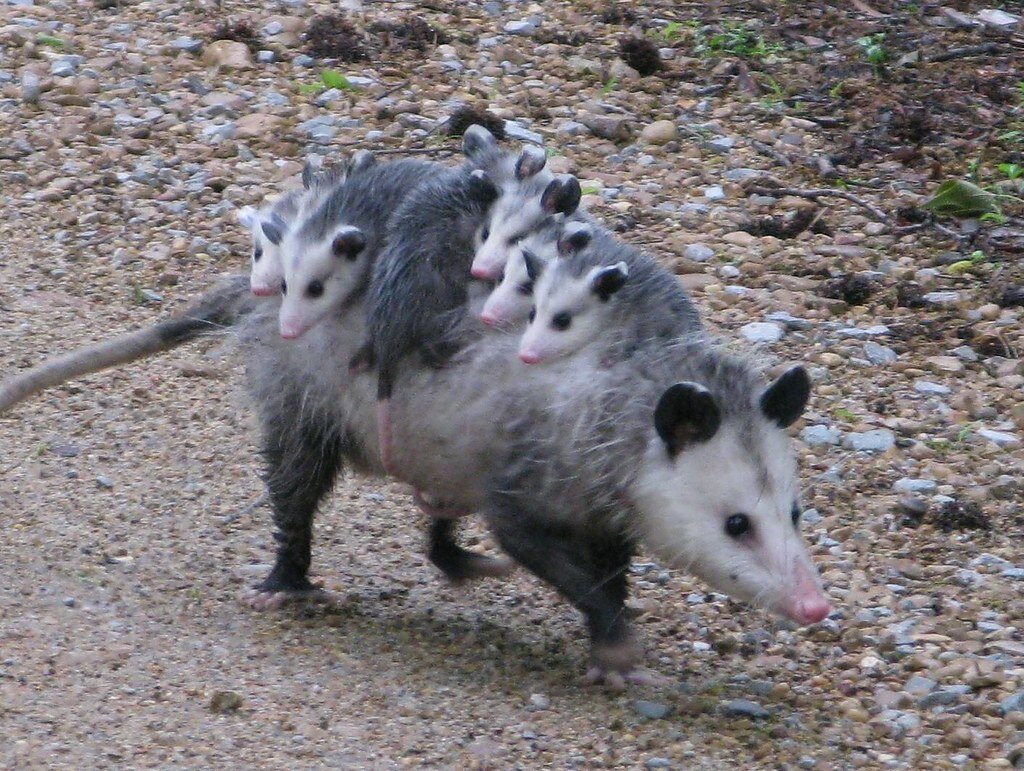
{"x": 483, "y": 274}
{"x": 806, "y": 604}
{"x": 489, "y": 319}
{"x": 290, "y": 330}
{"x": 529, "y": 357}
{"x": 263, "y": 290}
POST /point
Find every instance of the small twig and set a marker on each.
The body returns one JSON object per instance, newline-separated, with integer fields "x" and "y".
{"x": 248, "y": 509}
{"x": 816, "y": 193}
{"x": 963, "y": 53}
{"x": 394, "y": 88}
{"x": 771, "y": 152}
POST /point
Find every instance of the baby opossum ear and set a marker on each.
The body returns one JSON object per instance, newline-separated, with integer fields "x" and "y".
{"x": 686, "y": 413}
{"x": 482, "y": 187}
{"x": 562, "y": 195}
{"x": 348, "y": 243}
{"x": 476, "y": 141}
{"x": 309, "y": 173}
{"x": 573, "y": 239}
{"x": 784, "y": 400}
{"x": 361, "y": 160}
{"x": 247, "y": 217}
{"x": 604, "y": 282}
{"x": 534, "y": 265}
{"x": 531, "y": 161}
{"x": 273, "y": 229}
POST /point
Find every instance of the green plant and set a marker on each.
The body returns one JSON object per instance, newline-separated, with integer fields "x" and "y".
{"x": 1012, "y": 171}
{"x": 844, "y": 414}
{"x": 671, "y": 31}
{"x": 590, "y": 190}
{"x": 976, "y": 258}
{"x": 873, "y": 48}
{"x": 50, "y": 41}
{"x": 334, "y": 79}
{"x": 734, "y": 40}
{"x": 609, "y": 86}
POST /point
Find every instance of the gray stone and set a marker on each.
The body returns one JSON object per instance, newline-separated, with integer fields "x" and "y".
{"x": 720, "y": 145}
{"x": 104, "y": 482}
{"x": 965, "y": 353}
{"x": 219, "y": 131}
{"x": 265, "y": 56}
{"x": 572, "y": 128}
{"x": 1017, "y": 574}
{"x": 820, "y": 435}
{"x": 1013, "y": 703}
{"x": 272, "y": 28}
{"x": 968, "y": 578}
{"x": 65, "y": 66}
{"x": 698, "y": 252}
{"x": 790, "y": 322}
{"x": 942, "y": 298}
{"x": 919, "y": 685}
{"x": 742, "y": 174}
{"x": 185, "y": 43}
{"x": 613, "y": 127}
{"x": 657, "y": 763}
{"x": 744, "y": 708}
{"x": 908, "y": 485}
{"x": 762, "y": 332}
{"x": 876, "y": 440}
{"x": 943, "y": 697}
{"x": 928, "y": 388}
{"x": 714, "y": 193}
{"x": 31, "y": 88}
{"x": 811, "y": 516}
{"x": 860, "y": 333}
{"x": 524, "y": 27}
{"x": 652, "y": 710}
{"x": 1000, "y": 438}
{"x": 302, "y": 60}
{"x": 539, "y": 702}
{"x": 879, "y": 354}
{"x": 514, "y": 131}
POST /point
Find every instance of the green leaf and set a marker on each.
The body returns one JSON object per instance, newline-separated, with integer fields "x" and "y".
{"x": 1011, "y": 170}
{"x": 959, "y": 198}
{"x": 334, "y": 79}
{"x": 310, "y": 88}
{"x": 49, "y": 40}
{"x": 959, "y": 268}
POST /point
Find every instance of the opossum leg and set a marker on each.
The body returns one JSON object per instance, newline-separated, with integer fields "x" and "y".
{"x": 363, "y": 360}
{"x": 261, "y": 600}
{"x": 384, "y": 433}
{"x": 302, "y": 465}
{"x": 590, "y": 571}
{"x": 460, "y": 564}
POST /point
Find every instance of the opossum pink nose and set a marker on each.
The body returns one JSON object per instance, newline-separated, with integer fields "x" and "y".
{"x": 262, "y": 290}
{"x": 810, "y": 610}
{"x": 481, "y": 273}
{"x": 529, "y": 357}
{"x": 290, "y": 332}
{"x": 489, "y": 319}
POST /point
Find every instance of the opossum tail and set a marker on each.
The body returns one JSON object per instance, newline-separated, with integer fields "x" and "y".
{"x": 217, "y": 309}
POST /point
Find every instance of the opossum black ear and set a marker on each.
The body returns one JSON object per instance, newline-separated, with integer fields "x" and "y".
{"x": 247, "y": 217}
{"x": 574, "y": 239}
{"x": 534, "y": 265}
{"x": 360, "y": 161}
{"x": 531, "y": 161}
{"x": 604, "y": 282}
{"x": 273, "y": 229}
{"x": 562, "y": 195}
{"x": 686, "y": 413}
{"x": 784, "y": 400}
{"x": 482, "y": 187}
{"x": 476, "y": 141}
{"x": 348, "y": 243}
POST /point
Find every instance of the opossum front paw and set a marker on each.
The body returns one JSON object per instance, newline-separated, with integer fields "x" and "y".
{"x": 273, "y": 599}
{"x": 467, "y": 566}
{"x": 362, "y": 361}
{"x": 615, "y": 665}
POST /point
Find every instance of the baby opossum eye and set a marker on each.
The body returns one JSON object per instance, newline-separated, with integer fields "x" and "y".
{"x": 485, "y": 233}
{"x": 533, "y": 314}
{"x": 737, "y": 525}
{"x": 561, "y": 321}
{"x": 525, "y": 288}
{"x": 284, "y": 286}
{"x": 257, "y": 253}
{"x": 315, "y": 289}
{"x": 795, "y": 515}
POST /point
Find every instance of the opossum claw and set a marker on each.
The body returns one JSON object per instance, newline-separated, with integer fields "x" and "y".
{"x": 275, "y": 600}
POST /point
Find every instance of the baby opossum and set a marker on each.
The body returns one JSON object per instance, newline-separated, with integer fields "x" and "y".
{"x": 606, "y": 296}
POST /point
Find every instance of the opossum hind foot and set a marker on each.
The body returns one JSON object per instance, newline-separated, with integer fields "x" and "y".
{"x": 264, "y": 599}
{"x": 614, "y": 665}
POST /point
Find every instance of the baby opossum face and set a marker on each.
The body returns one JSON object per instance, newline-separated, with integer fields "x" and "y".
{"x": 510, "y": 302}
{"x": 319, "y": 279}
{"x": 266, "y": 272}
{"x": 570, "y": 311}
{"x": 720, "y": 501}
{"x": 514, "y": 217}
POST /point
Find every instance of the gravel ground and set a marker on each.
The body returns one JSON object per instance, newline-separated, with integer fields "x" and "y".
{"x": 135, "y": 519}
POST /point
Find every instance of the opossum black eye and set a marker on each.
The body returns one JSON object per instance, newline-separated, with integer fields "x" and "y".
{"x": 561, "y": 321}
{"x": 315, "y": 289}
{"x": 257, "y": 253}
{"x": 737, "y": 525}
{"x": 485, "y": 234}
{"x": 533, "y": 314}
{"x": 284, "y": 287}
{"x": 795, "y": 515}
{"x": 525, "y": 288}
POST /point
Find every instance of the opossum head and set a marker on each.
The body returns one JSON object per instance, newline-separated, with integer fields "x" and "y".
{"x": 526, "y": 206}
{"x": 718, "y": 494}
{"x": 510, "y": 302}
{"x": 320, "y": 278}
{"x": 570, "y": 311}
{"x": 267, "y": 231}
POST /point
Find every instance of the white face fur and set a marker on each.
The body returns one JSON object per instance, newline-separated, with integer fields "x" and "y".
{"x": 509, "y": 221}
{"x": 711, "y": 512}
{"x": 510, "y": 302}
{"x": 267, "y": 272}
{"x": 319, "y": 278}
{"x": 569, "y": 311}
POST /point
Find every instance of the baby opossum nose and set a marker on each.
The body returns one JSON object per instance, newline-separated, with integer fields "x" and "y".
{"x": 489, "y": 319}
{"x": 811, "y": 610}
{"x": 290, "y": 331}
{"x": 262, "y": 290}
{"x": 529, "y": 357}
{"x": 482, "y": 273}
